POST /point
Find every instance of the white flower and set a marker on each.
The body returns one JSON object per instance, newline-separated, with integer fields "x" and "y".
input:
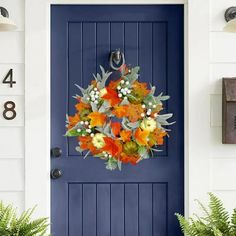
{"x": 118, "y": 87}
{"x": 78, "y": 130}
{"x": 155, "y": 115}
{"x": 88, "y": 130}
{"x": 81, "y": 122}
{"x": 154, "y": 106}
{"x": 95, "y": 89}
{"x": 90, "y": 126}
{"x": 124, "y": 93}
{"x": 86, "y": 122}
{"x": 88, "y": 98}
{"x": 122, "y": 81}
{"x": 96, "y": 96}
{"x": 92, "y": 135}
{"x": 119, "y": 95}
{"x": 103, "y": 92}
{"x": 92, "y": 93}
{"x": 142, "y": 114}
{"x": 127, "y": 82}
{"x": 96, "y": 101}
{"x": 149, "y": 125}
{"x": 98, "y": 140}
{"x": 129, "y": 91}
{"x": 149, "y": 103}
{"x": 143, "y": 106}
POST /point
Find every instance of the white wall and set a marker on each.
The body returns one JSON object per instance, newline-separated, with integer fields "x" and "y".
{"x": 222, "y": 63}
{"x": 12, "y": 132}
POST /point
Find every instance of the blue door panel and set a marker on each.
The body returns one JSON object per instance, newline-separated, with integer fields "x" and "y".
{"x": 138, "y": 201}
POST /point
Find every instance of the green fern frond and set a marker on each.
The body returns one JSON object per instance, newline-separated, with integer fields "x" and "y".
{"x": 214, "y": 222}
{"x": 11, "y": 225}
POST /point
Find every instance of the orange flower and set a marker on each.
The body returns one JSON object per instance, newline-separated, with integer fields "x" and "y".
{"x": 125, "y": 135}
{"x": 129, "y": 159}
{"x": 114, "y": 147}
{"x": 113, "y": 84}
{"x": 141, "y": 136}
{"x": 120, "y": 111}
{"x": 112, "y": 97}
{"x": 115, "y": 127}
{"x": 157, "y": 137}
{"x": 134, "y": 112}
{"x": 86, "y": 144}
{"x": 73, "y": 120}
{"x": 81, "y": 106}
{"x": 160, "y": 134}
{"x": 97, "y": 118}
{"x": 141, "y": 88}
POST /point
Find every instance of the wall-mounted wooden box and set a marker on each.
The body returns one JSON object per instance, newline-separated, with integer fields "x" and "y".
{"x": 229, "y": 111}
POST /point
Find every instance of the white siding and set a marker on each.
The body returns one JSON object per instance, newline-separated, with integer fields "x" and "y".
{"x": 12, "y": 145}
{"x": 222, "y": 64}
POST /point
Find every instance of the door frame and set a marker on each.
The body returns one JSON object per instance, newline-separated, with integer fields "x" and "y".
{"x": 37, "y": 98}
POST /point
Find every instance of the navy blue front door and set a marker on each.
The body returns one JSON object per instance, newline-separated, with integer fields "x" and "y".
{"x": 141, "y": 200}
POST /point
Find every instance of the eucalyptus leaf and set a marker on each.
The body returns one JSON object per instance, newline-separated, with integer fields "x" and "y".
{"x": 111, "y": 164}
{"x": 119, "y": 165}
{"x": 142, "y": 151}
{"x": 72, "y": 133}
{"x": 104, "y": 107}
{"x": 94, "y": 106}
{"x": 78, "y": 149}
{"x": 86, "y": 154}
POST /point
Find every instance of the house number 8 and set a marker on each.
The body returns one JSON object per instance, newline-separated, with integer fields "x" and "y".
{"x": 9, "y": 112}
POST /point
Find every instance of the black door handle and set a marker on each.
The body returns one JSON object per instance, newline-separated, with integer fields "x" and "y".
{"x": 56, "y": 152}
{"x": 56, "y": 173}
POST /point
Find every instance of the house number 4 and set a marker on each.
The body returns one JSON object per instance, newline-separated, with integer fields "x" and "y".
{"x": 9, "y": 78}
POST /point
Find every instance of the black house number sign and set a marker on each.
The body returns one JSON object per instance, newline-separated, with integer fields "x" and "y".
{"x": 9, "y": 112}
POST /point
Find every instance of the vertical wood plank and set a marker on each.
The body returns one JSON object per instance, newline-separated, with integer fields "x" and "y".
{"x": 75, "y": 72}
{"x": 103, "y": 210}
{"x": 160, "y": 56}
{"x": 89, "y": 52}
{"x": 117, "y": 210}
{"x": 75, "y": 209}
{"x": 159, "y": 209}
{"x": 117, "y": 36}
{"x": 145, "y": 51}
{"x": 131, "y": 43}
{"x": 145, "y": 210}
{"x": 89, "y": 210}
{"x": 103, "y": 45}
{"x": 131, "y": 209}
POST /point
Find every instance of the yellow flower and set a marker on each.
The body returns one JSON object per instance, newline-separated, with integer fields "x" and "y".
{"x": 98, "y": 140}
{"x": 103, "y": 92}
{"x": 149, "y": 125}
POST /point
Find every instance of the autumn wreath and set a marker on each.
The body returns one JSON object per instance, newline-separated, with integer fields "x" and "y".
{"x": 119, "y": 122}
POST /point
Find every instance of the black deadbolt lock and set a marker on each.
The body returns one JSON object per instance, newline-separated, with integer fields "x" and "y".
{"x": 56, "y": 152}
{"x": 56, "y": 173}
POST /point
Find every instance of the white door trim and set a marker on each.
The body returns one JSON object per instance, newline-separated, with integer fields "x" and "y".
{"x": 37, "y": 97}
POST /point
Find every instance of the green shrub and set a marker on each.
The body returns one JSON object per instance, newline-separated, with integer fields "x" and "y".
{"x": 215, "y": 221}
{"x": 13, "y": 225}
